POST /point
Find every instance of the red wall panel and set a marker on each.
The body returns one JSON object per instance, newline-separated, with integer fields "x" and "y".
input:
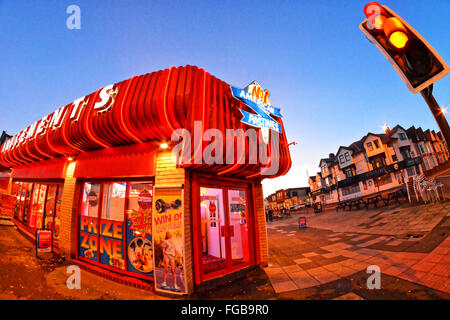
{"x": 127, "y": 161}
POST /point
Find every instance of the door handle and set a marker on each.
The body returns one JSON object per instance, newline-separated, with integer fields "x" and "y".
{"x": 231, "y": 231}
{"x": 223, "y": 231}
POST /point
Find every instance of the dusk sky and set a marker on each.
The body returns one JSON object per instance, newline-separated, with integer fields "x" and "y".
{"x": 331, "y": 84}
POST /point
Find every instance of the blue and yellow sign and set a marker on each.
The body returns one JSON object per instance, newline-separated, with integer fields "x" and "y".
{"x": 257, "y": 99}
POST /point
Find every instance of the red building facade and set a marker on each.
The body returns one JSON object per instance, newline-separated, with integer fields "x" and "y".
{"x": 100, "y": 173}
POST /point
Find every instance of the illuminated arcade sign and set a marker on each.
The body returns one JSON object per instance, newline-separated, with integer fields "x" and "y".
{"x": 106, "y": 99}
{"x": 257, "y": 99}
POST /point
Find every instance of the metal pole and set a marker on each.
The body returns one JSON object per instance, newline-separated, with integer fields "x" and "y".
{"x": 439, "y": 116}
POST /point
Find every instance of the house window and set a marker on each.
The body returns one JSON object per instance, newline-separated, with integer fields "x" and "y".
{"x": 386, "y": 179}
{"x": 402, "y": 136}
{"x": 421, "y": 149}
{"x": 378, "y": 163}
{"x": 377, "y": 145}
{"x": 369, "y": 146}
{"x": 348, "y": 172}
{"x": 350, "y": 190}
{"x": 347, "y": 156}
{"x": 394, "y": 158}
{"x": 410, "y": 171}
{"x": 341, "y": 159}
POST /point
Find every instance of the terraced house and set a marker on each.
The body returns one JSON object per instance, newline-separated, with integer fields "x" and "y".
{"x": 377, "y": 162}
{"x": 287, "y": 198}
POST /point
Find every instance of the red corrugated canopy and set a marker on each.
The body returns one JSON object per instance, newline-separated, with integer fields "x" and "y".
{"x": 141, "y": 109}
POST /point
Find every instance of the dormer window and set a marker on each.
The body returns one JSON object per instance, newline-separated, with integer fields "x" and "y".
{"x": 347, "y": 156}
{"x": 402, "y": 136}
{"x": 341, "y": 159}
{"x": 369, "y": 146}
{"x": 377, "y": 145}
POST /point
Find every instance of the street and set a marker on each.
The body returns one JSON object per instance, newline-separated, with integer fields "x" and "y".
{"x": 329, "y": 258}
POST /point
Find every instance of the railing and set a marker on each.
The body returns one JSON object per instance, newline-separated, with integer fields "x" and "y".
{"x": 431, "y": 190}
{"x": 380, "y": 171}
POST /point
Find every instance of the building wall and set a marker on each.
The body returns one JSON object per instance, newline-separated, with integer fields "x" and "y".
{"x": 261, "y": 223}
{"x": 360, "y": 163}
{"x": 4, "y": 184}
{"x": 167, "y": 174}
{"x": 68, "y": 214}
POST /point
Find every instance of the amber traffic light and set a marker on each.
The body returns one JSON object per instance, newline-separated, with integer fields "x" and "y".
{"x": 415, "y": 60}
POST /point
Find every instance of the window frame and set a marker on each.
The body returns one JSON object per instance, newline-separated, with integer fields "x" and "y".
{"x": 347, "y": 156}
{"x": 97, "y": 262}
{"x": 376, "y": 143}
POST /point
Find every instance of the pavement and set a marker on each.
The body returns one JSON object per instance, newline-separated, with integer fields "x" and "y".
{"x": 329, "y": 258}
{"x": 326, "y": 260}
{"x": 25, "y": 277}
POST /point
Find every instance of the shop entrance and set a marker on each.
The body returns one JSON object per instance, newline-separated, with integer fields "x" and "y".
{"x": 225, "y": 229}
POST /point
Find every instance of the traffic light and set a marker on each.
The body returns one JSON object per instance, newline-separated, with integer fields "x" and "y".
{"x": 415, "y": 60}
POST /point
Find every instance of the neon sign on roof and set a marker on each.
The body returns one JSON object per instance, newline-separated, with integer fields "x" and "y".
{"x": 257, "y": 99}
{"x": 53, "y": 121}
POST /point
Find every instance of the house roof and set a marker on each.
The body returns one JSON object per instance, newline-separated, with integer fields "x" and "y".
{"x": 395, "y": 129}
{"x": 345, "y": 148}
{"x": 416, "y": 134}
{"x": 385, "y": 138}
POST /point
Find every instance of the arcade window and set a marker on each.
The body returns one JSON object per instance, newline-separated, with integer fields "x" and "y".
{"x": 38, "y": 206}
{"x": 115, "y": 226}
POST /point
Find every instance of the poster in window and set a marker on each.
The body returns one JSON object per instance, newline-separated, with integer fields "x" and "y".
{"x": 111, "y": 244}
{"x": 88, "y": 238}
{"x": 139, "y": 230}
{"x": 168, "y": 240}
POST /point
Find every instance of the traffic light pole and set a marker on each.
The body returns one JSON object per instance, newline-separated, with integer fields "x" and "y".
{"x": 439, "y": 116}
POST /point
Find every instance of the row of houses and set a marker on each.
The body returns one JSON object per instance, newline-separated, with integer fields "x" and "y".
{"x": 286, "y": 198}
{"x": 377, "y": 162}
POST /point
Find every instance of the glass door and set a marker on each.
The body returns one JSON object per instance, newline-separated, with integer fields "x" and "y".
{"x": 214, "y": 253}
{"x": 224, "y": 228}
{"x": 238, "y": 227}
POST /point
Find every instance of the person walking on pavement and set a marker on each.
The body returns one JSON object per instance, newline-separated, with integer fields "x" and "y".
{"x": 270, "y": 215}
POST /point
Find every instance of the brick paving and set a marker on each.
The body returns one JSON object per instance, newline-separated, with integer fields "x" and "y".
{"x": 309, "y": 263}
{"x": 411, "y": 243}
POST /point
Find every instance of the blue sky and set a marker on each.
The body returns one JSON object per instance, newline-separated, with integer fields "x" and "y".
{"x": 331, "y": 84}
